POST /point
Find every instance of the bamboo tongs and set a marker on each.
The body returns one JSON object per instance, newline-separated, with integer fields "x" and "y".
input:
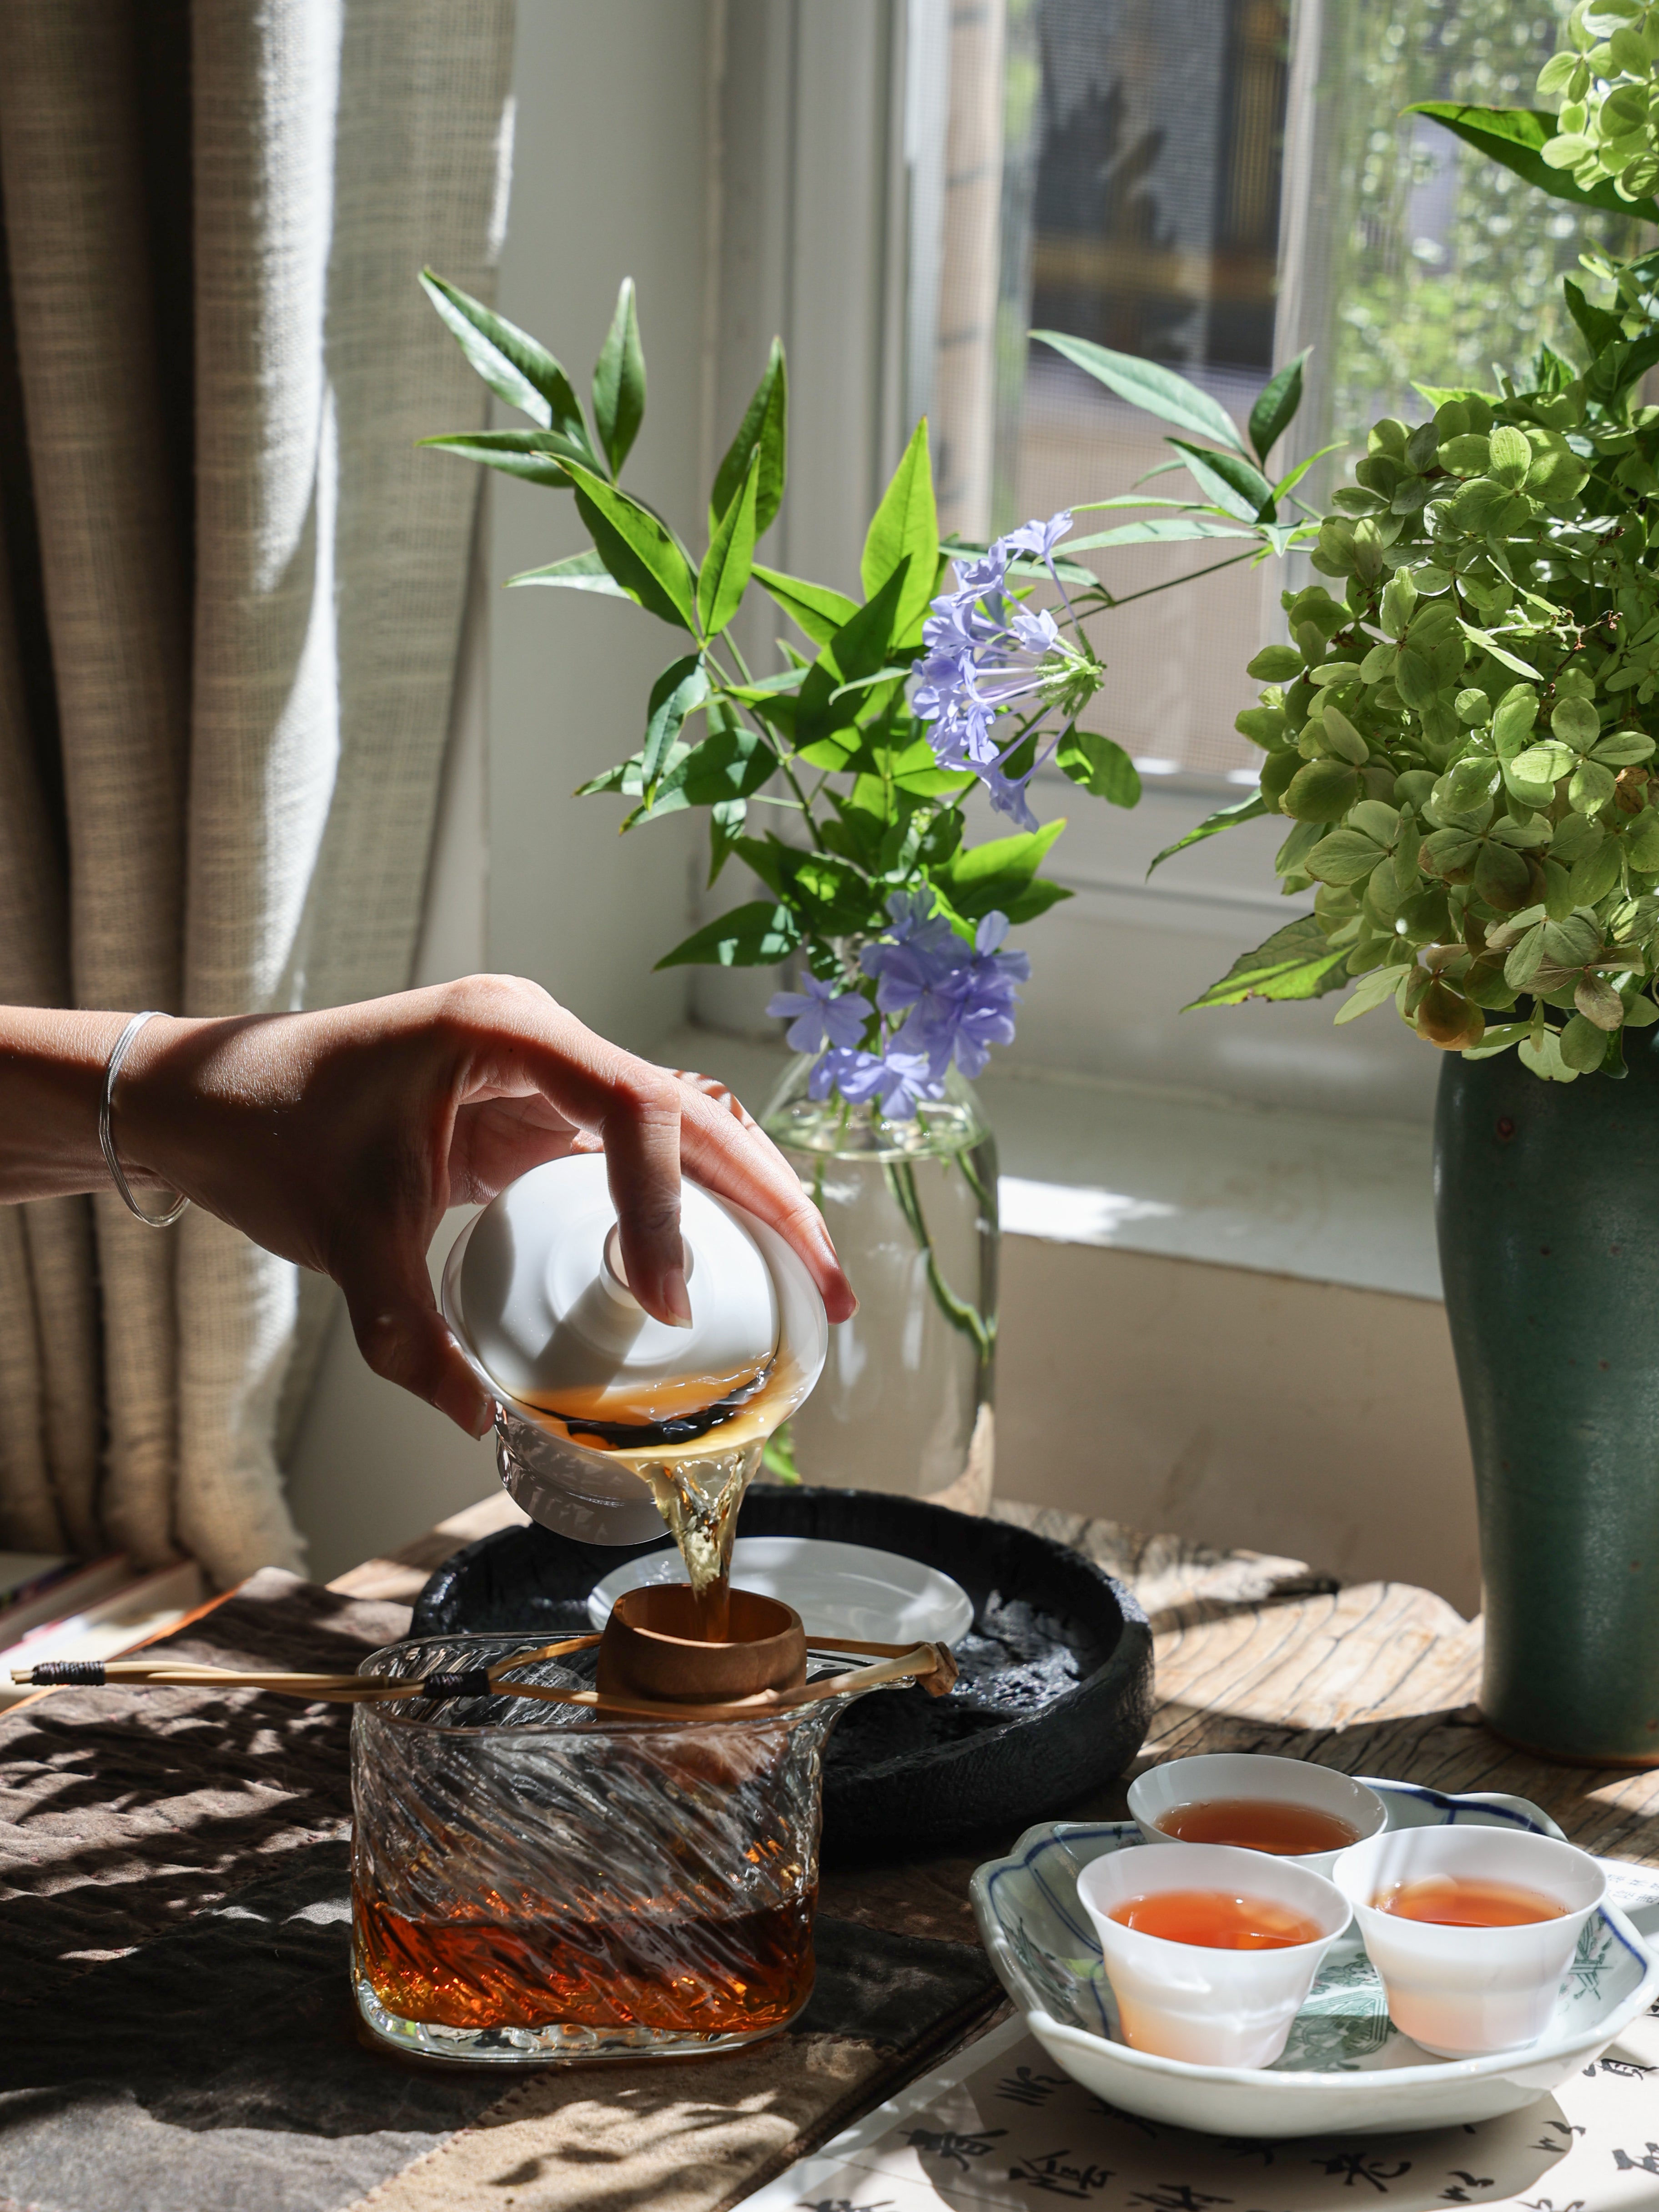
{"x": 930, "y": 1666}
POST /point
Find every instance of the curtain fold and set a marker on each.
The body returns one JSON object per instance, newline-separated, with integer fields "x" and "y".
{"x": 250, "y": 590}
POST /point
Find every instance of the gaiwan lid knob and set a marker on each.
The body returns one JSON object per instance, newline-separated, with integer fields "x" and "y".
{"x": 544, "y": 1301}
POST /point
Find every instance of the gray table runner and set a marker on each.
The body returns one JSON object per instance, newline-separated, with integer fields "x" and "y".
{"x": 178, "y": 2031}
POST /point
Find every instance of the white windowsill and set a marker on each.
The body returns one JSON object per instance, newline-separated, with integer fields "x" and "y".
{"x": 1326, "y": 1198}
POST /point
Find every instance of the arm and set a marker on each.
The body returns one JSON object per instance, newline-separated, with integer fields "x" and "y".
{"x": 337, "y": 1139}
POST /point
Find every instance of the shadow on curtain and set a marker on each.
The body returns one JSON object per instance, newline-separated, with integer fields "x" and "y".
{"x": 231, "y": 597}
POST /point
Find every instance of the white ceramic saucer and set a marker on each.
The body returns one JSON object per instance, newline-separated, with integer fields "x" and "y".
{"x": 1345, "y": 2068}
{"x": 838, "y": 1589}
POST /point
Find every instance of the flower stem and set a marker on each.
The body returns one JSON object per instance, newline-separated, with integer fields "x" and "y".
{"x": 1191, "y": 577}
{"x": 901, "y": 1181}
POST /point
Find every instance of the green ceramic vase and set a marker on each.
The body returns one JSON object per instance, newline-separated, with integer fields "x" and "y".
{"x": 1547, "y": 1198}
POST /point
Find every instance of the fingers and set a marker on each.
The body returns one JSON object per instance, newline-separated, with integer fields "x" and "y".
{"x": 727, "y": 1150}
{"x": 642, "y": 1158}
{"x": 401, "y": 1335}
{"x": 651, "y": 1126}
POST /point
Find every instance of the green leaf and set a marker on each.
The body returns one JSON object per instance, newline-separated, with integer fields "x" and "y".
{"x": 1158, "y": 530}
{"x": 724, "y": 576}
{"x": 1525, "y": 957}
{"x": 1322, "y": 791}
{"x": 1036, "y": 899}
{"x": 1500, "y": 653}
{"x": 1540, "y": 1051}
{"x": 1275, "y": 664}
{"x": 640, "y": 551}
{"x": 682, "y": 687}
{"x": 1371, "y": 991}
{"x": 1509, "y": 457}
{"x": 1591, "y": 788}
{"x": 1622, "y": 748}
{"x": 1287, "y": 484}
{"x": 763, "y": 431}
{"x": 896, "y": 668}
{"x": 1145, "y": 384}
{"x": 905, "y": 526}
{"x": 1581, "y": 1044}
{"x": 928, "y": 781}
{"x": 1275, "y": 406}
{"x": 725, "y": 820}
{"x": 1497, "y": 1040}
{"x": 1597, "y": 327}
{"x": 1247, "y": 809}
{"x": 535, "y": 455}
{"x": 979, "y": 880}
{"x": 837, "y": 897}
{"x": 818, "y": 610}
{"x": 1099, "y": 766}
{"x": 859, "y": 647}
{"x": 516, "y": 366}
{"x": 730, "y": 763}
{"x": 1437, "y": 395}
{"x": 752, "y": 936}
{"x": 1296, "y": 962}
{"x": 1343, "y": 856}
{"x": 580, "y": 572}
{"x": 1516, "y": 137}
{"x": 1541, "y": 764}
{"x": 1576, "y": 723}
{"x": 625, "y": 776}
{"x": 619, "y": 381}
{"x": 1230, "y": 482}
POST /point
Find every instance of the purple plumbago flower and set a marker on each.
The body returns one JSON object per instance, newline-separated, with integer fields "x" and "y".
{"x": 987, "y": 654}
{"x": 915, "y": 923}
{"x": 895, "y": 1080}
{"x": 983, "y": 1011}
{"x": 957, "y": 1003}
{"x": 820, "y": 1014}
{"x": 957, "y": 1000}
{"x": 1039, "y": 539}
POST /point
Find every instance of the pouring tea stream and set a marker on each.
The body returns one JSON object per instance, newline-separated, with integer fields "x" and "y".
{"x": 609, "y": 1422}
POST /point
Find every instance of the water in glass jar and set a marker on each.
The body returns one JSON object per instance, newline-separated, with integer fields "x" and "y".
{"x": 904, "y": 1401}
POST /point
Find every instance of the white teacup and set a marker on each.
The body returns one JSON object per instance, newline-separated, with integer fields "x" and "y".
{"x": 1211, "y": 2008}
{"x": 1218, "y": 1776}
{"x": 1462, "y": 1992}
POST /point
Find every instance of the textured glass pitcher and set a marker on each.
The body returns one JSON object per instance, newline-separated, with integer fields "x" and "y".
{"x": 905, "y": 1400}
{"x": 532, "y": 1882}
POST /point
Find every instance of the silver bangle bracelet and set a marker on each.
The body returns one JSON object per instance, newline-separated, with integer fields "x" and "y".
{"x": 105, "y": 1136}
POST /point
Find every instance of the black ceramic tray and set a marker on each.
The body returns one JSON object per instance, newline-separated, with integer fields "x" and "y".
{"x": 1056, "y": 1685}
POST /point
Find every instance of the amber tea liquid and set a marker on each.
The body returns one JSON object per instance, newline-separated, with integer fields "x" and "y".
{"x": 699, "y": 1486}
{"x": 1259, "y": 1824}
{"x": 1455, "y": 1901}
{"x": 1217, "y": 1920}
{"x": 679, "y": 1974}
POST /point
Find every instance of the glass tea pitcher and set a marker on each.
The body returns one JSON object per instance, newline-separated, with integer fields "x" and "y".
{"x": 533, "y": 1882}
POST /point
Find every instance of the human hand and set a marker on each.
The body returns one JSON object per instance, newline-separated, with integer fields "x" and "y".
{"x": 338, "y": 1139}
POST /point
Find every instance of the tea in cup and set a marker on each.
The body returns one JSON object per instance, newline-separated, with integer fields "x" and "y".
{"x": 1210, "y": 1952}
{"x": 1288, "y": 1807}
{"x": 1470, "y": 1929}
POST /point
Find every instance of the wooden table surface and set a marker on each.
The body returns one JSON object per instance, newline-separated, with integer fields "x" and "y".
{"x": 1253, "y": 1654}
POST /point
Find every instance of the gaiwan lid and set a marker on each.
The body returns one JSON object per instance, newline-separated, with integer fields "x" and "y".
{"x": 544, "y": 1301}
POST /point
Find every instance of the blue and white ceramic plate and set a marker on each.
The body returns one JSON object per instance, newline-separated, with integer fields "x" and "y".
{"x": 1345, "y": 2066}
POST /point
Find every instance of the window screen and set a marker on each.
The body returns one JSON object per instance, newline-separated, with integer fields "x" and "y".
{"x": 1215, "y": 184}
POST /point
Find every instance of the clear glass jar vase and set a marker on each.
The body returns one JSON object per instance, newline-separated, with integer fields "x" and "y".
{"x": 904, "y": 1402}
{"x": 533, "y": 1882}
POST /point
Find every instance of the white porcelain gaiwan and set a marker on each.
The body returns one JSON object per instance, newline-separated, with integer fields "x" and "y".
{"x": 586, "y": 1384}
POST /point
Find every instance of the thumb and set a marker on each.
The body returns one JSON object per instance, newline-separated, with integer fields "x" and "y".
{"x": 403, "y": 1337}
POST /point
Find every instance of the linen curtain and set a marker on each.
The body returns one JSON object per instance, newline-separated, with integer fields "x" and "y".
{"x": 231, "y": 594}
